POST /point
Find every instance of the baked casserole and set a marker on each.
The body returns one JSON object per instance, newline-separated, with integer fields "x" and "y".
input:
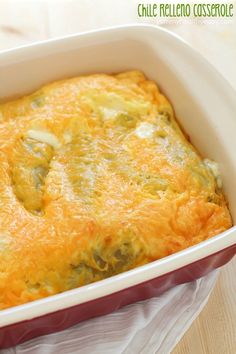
{"x": 96, "y": 178}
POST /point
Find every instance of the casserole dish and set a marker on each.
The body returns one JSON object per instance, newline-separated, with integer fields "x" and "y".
{"x": 195, "y": 91}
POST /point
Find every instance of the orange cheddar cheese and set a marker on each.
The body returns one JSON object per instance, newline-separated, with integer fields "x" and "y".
{"x": 96, "y": 178}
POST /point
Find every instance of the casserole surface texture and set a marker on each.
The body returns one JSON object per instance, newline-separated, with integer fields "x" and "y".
{"x": 96, "y": 178}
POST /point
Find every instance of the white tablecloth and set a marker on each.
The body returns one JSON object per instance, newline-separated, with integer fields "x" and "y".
{"x": 149, "y": 327}
{"x": 156, "y": 325}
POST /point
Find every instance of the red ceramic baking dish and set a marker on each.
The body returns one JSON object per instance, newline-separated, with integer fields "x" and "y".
{"x": 205, "y": 105}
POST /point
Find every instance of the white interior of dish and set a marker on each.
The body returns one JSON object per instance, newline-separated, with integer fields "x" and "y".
{"x": 204, "y": 104}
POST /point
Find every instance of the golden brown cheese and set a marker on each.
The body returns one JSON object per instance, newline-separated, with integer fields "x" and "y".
{"x": 96, "y": 178}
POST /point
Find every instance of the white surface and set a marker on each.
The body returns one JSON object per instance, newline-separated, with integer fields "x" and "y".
{"x": 148, "y": 327}
{"x": 24, "y": 21}
{"x": 168, "y": 61}
{"x": 218, "y": 44}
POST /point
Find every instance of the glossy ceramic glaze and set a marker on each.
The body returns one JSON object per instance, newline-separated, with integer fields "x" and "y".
{"x": 59, "y": 320}
{"x": 205, "y": 105}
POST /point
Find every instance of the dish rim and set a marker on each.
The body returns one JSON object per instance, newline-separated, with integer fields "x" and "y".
{"x": 140, "y": 274}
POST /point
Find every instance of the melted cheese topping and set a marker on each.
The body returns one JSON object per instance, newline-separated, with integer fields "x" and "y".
{"x": 97, "y": 178}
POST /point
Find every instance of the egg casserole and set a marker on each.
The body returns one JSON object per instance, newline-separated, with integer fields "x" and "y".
{"x": 96, "y": 178}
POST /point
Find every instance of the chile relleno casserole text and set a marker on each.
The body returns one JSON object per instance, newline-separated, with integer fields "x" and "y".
{"x": 96, "y": 178}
